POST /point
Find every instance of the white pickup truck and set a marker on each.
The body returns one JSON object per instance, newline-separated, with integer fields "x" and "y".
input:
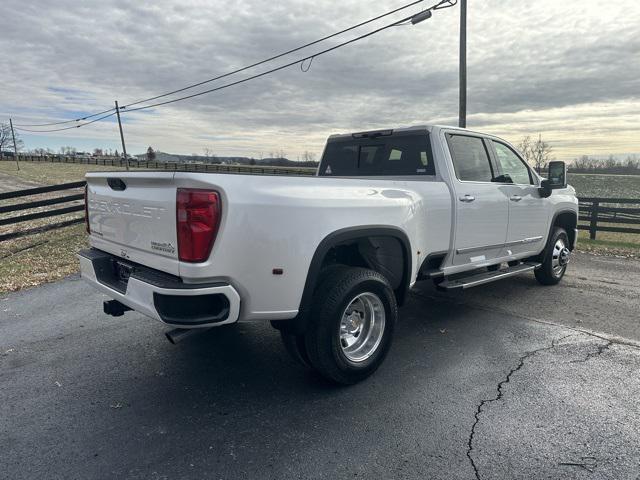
{"x": 328, "y": 259}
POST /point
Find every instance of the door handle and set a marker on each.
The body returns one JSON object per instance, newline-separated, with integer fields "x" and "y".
{"x": 467, "y": 198}
{"x": 515, "y": 198}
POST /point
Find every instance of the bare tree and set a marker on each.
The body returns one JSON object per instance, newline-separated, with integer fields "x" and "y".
{"x": 632, "y": 164}
{"x": 67, "y": 150}
{"x": 151, "y": 154}
{"x": 210, "y": 155}
{"x": 582, "y": 163}
{"x": 6, "y": 140}
{"x": 536, "y": 152}
{"x": 308, "y": 156}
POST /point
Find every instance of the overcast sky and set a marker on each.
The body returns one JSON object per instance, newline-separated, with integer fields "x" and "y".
{"x": 567, "y": 69}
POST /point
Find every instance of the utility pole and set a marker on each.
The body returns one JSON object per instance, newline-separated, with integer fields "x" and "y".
{"x": 15, "y": 146}
{"x": 462, "y": 115}
{"x": 124, "y": 149}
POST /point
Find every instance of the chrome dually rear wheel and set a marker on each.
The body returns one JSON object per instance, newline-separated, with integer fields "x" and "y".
{"x": 362, "y": 327}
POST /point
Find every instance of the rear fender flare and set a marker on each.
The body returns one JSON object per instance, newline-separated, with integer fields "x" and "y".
{"x": 298, "y": 324}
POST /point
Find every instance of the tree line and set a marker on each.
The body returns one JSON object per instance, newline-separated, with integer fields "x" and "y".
{"x": 627, "y": 166}
{"x": 538, "y": 154}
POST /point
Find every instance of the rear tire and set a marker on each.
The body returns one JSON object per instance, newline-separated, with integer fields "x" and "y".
{"x": 351, "y": 324}
{"x": 554, "y": 258}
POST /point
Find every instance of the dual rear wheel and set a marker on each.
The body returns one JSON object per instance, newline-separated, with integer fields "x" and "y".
{"x": 351, "y": 325}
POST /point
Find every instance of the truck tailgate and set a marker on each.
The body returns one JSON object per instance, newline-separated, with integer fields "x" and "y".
{"x": 133, "y": 215}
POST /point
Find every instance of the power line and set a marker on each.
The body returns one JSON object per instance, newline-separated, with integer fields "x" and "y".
{"x": 188, "y": 87}
{"x": 69, "y": 128}
{"x": 442, "y": 4}
{"x": 65, "y": 121}
{"x": 110, "y": 112}
{"x": 275, "y": 57}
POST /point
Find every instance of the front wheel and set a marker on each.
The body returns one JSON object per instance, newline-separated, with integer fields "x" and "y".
{"x": 352, "y": 321}
{"x": 555, "y": 258}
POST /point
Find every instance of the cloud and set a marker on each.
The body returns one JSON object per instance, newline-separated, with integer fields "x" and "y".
{"x": 532, "y": 67}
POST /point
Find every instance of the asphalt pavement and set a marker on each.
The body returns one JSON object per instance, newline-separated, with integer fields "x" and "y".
{"x": 511, "y": 380}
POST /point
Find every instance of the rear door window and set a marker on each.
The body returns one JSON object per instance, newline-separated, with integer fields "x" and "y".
{"x": 396, "y": 155}
{"x": 470, "y": 158}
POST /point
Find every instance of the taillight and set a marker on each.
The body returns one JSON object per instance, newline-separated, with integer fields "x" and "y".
{"x": 86, "y": 208}
{"x": 198, "y": 217}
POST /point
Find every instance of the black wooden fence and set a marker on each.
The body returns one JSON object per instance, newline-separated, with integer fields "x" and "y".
{"x": 37, "y": 204}
{"x": 171, "y": 166}
{"x": 609, "y": 215}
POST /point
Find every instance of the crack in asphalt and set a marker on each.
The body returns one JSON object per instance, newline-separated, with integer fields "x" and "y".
{"x": 601, "y": 348}
{"x": 498, "y": 397}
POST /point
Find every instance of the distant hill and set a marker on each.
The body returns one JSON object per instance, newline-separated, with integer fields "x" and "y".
{"x": 276, "y": 162}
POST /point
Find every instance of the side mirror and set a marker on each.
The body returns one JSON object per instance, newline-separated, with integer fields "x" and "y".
{"x": 557, "y": 178}
{"x": 557, "y": 175}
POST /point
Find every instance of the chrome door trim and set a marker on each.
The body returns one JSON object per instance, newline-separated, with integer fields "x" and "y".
{"x": 526, "y": 240}
{"x": 460, "y": 251}
{"x": 507, "y": 244}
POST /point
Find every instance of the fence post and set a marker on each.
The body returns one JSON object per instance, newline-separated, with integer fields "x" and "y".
{"x": 593, "y": 227}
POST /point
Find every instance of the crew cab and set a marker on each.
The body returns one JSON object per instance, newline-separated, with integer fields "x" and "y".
{"x": 327, "y": 259}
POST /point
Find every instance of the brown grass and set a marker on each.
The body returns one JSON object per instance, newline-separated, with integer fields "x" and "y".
{"x": 610, "y": 243}
{"x": 40, "y": 258}
{"x": 52, "y": 173}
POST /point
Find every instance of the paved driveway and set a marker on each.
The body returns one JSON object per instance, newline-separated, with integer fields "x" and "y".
{"x": 501, "y": 383}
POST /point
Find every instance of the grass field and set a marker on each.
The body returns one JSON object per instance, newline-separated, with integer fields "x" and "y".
{"x": 602, "y": 185}
{"x": 610, "y": 243}
{"x": 608, "y": 186}
{"x": 47, "y": 256}
{"x": 40, "y": 258}
{"x": 50, "y": 256}
{"x": 51, "y": 173}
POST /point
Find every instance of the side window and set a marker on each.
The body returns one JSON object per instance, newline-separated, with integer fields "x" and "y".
{"x": 511, "y": 165}
{"x": 470, "y": 158}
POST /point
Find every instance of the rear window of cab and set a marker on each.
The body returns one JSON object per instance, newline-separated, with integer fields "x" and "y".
{"x": 385, "y": 155}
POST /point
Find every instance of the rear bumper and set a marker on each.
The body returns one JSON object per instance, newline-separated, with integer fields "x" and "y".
{"x": 161, "y": 296}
